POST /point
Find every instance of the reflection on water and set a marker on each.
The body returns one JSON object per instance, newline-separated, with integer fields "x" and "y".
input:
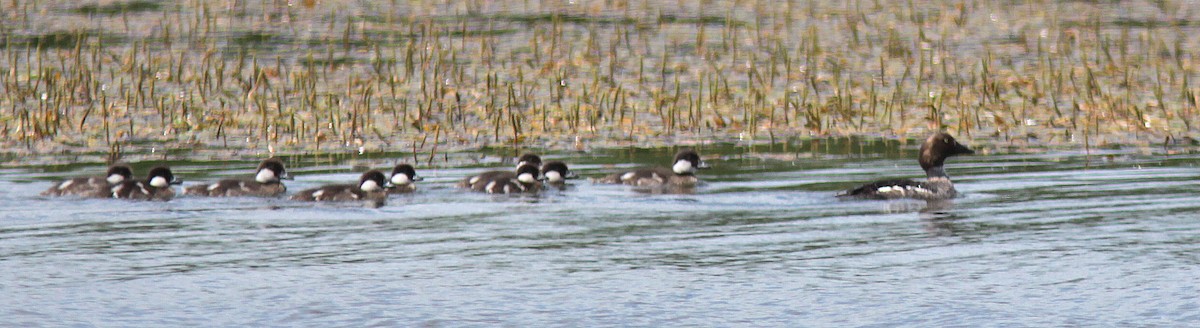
{"x": 1038, "y": 239}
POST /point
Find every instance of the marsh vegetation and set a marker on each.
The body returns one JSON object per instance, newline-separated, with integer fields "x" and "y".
{"x": 329, "y": 76}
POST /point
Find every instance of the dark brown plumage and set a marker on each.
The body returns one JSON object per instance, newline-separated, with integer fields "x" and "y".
{"x": 266, "y": 183}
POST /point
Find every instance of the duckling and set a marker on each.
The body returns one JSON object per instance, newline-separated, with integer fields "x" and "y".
{"x": 156, "y": 187}
{"x": 524, "y": 180}
{"x": 403, "y": 176}
{"x": 265, "y": 184}
{"x": 525, "y": 159}
{"x": 91, "y": 186}
{"x": 557, "y": 174}
{"x": 682, "y": 173}
{"x": 372, "y": 189}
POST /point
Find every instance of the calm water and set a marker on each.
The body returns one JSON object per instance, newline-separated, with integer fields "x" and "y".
{"x": 1040, "y": 238}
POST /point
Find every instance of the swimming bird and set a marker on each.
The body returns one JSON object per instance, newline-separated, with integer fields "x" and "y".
{"x": 403, "y": 176}
{"x": 371, "y": 189}
{"x": 681, "y": 175}
{"x": 523, "y": 180}
{"x": 265, "y": 183}
{"x": 525, "y": 159}
{"x": 557, "y": 174}
{"x": 91, "y": 186}
{"x": 156, "y": 187}
{"x": 932, "y": 158}
{"x": 531, "y": 159}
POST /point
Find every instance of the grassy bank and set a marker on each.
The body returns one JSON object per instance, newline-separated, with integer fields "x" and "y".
{"x": 313, "y": 75}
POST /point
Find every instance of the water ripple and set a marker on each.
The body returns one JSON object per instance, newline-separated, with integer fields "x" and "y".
{"x": 1036, "y": 240}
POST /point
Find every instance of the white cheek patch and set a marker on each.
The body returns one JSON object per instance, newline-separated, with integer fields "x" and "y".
{"x": 370, "y": 185}
{"x": 683, "y": 166}
{"x": 115, "y": 178}
{"x": 265, "y": 176}
{"x": 159, "y": 182}
{"x": 526, "y": 178}
{"x": 401, "y": 179}
{"x": 553, "y": 176}
{"x": 65, "y": 184}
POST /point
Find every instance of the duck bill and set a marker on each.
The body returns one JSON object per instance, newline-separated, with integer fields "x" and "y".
{"x": 703, "y": 165}
{"x": 287, "y": 176}
{"x": 959, "y": 149}
{"x": 417, "y": 178}
{"x": 176, "y": 181}
{"x": 571, "y": 175}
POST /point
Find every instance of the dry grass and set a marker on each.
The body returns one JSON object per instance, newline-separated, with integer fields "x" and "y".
{"x": 311, "y": 75}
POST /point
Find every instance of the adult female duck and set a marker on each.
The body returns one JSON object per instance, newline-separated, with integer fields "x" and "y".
{"x": 937, "y": 185}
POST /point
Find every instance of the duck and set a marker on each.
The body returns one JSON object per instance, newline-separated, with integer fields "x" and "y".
{"x": 525, "y": 159}
{"x": 531, "y": 159}
{"x": 403, "y": 176}
{"x": 557, "y": 174}
{"x": 91, "y": 186}
{"x": 266, "y": 183}
{"x": 524, "y": 180}
{"x": 156, "y": 187}
{"x": 682, "y": 173}
{"x": 371, "y": 188}
{"x": 937, "y": 185}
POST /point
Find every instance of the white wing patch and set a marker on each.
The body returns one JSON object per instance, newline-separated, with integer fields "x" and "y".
{"x": 489, "y": 187}
{"x": 317, "y": 194}
{"x": 903, "y": 190}
{"x": 628, "y": 176}
{"x": 473, "y": 180}
{"x": 214, "y": 186}
{"x": 65, "y": 184}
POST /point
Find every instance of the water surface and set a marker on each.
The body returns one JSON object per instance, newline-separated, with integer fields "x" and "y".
{"x": 1040, "y": 238}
